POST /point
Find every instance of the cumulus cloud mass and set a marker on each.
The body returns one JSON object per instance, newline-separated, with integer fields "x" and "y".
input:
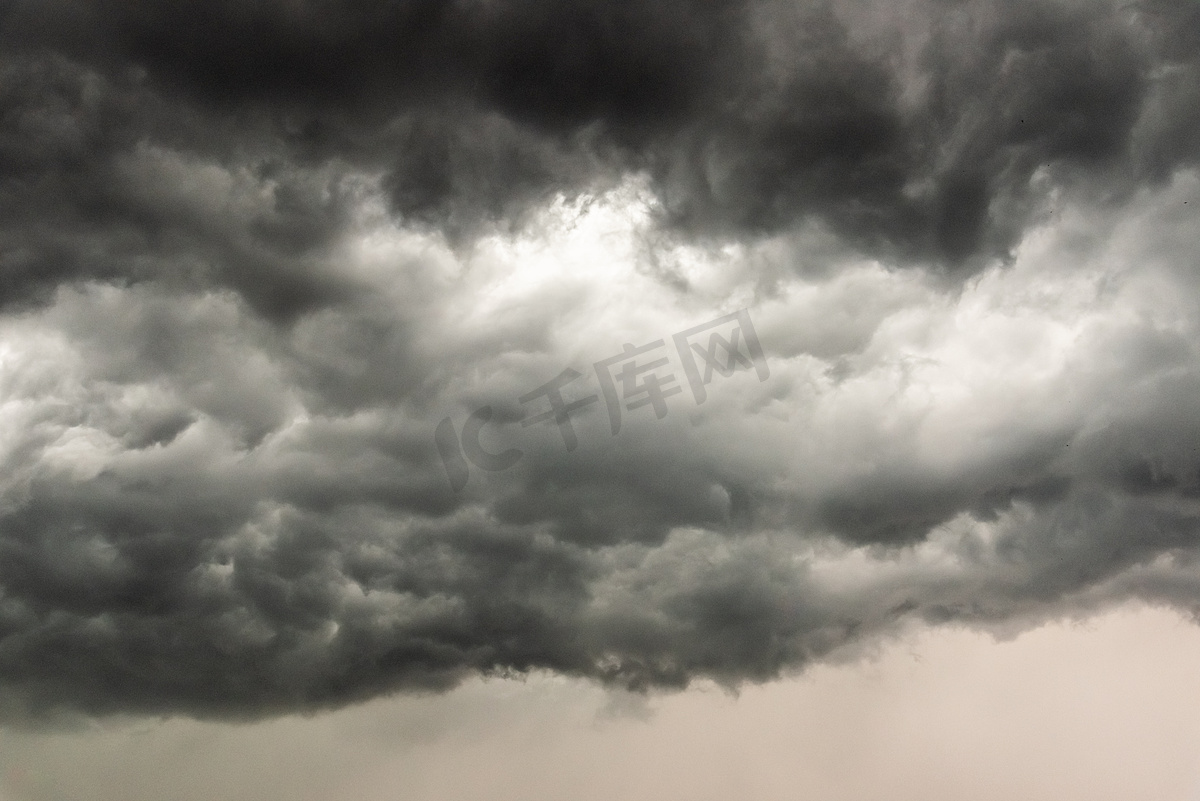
{"x": 287, "y": 289}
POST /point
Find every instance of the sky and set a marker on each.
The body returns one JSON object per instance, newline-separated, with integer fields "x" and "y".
{"x": 519, "y": 399}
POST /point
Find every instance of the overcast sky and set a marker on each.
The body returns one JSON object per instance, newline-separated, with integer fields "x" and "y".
{"x": 596, "y": 359}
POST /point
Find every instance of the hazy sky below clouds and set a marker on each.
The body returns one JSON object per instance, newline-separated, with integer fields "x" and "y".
{"x": 1104, "y": 711}
{"x": 276, "y": 277}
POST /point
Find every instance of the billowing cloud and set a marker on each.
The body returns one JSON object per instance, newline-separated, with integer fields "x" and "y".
{"x": 263, "y": 269}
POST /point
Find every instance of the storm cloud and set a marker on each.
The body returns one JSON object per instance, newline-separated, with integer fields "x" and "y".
{"x": 253, "y": 254}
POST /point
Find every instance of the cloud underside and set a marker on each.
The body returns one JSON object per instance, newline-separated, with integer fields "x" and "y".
{"x": 252, "y": 255}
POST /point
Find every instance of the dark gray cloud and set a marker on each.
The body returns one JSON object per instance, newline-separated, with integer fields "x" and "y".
{"x": 252, "y": 255}
{"x": 912, "y": 130}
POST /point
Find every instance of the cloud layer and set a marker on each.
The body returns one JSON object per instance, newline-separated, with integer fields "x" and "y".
{"x": 252, "y": 255}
